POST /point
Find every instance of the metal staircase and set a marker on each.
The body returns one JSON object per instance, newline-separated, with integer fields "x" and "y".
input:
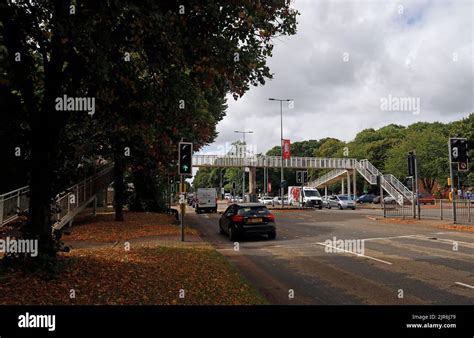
{"x": 389, "y": 183}
{"x": 327, "y": 178}
{"x": 67, "y": 204}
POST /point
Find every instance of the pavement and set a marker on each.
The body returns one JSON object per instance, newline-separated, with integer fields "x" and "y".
{"x": 401, "y": 263}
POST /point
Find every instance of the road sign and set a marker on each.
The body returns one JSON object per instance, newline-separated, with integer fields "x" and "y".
{"x": 463, "y": 166}
{"x": 182, "y": 199}
{"x": 185, "y": 158}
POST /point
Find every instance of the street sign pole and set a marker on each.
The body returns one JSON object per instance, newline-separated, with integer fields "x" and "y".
{"x": 416, "y": 186}
{"x": 451, "y": 175}
{"x": 185, "y": 167}
{"x": 182, "y": 205}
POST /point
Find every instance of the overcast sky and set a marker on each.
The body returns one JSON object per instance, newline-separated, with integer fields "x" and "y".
{"x": 347, "y": 58}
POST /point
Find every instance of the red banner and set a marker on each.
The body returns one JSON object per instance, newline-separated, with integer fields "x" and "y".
{"x": 286, "y": 149}
{"x": 269, "y": 187}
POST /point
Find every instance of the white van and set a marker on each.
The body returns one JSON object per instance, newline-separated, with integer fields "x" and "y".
{"x": 309, "y": 198}
{"x": 206, "y": 200}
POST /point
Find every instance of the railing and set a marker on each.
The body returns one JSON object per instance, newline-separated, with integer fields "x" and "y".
{"x": 12, "y": 204}
{"x": 397, "y": 190}
{"x": 67, "y": 204}
{"x": 273, "y": 162}
{"x": 372, "y": 179}
{"x": 333, "y": 174}
{"x": 407, "y": 193}
{"x": 77, "y": 197}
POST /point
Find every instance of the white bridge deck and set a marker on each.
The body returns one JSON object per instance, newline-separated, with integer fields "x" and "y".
{"x": 273, "y": 162}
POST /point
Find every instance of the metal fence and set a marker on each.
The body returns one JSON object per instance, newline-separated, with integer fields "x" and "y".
{"x": 440, "y": 210}
{"x": 396, "y": 210}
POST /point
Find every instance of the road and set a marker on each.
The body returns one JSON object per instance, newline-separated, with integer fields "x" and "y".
{"x": 400, "y": 264}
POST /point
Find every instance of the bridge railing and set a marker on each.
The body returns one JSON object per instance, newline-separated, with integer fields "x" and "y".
{"x": 13, "y": 203}
{"x": 76, "y": 198}
{"x": 327, "y": 177}
{"x": 273, "y": 162}
{"x": 67, "y": 204}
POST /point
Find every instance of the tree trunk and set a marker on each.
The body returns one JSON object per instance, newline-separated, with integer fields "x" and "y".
{"x": 119, "y": 187}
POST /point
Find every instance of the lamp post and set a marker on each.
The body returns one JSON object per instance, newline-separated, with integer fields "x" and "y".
{"x": 243, "y": 166}
{"x": 281, "y": 142}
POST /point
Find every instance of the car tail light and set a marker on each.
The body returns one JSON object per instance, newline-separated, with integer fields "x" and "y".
{"x": 237, "y": 218}
{"x": 271, "y": 217}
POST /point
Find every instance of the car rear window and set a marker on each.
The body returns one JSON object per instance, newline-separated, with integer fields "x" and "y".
{"x": 252, "y": 211}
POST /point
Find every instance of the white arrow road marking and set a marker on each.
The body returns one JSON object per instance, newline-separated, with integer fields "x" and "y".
{"x": 464, "y": 284}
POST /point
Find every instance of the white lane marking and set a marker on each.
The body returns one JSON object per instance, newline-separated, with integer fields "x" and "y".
{"x": 354, "y": 253}
{"x": 464, "y": 284}
{"x": 378, "y": 238}
{"x": 445, "y": 240}
{"x": 206, "y": 216}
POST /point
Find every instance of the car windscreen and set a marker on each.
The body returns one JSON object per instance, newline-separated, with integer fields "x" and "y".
{"x": 311, "y": 193}
{"x": 253, "y": 211}
{"x": 343, "y": 198}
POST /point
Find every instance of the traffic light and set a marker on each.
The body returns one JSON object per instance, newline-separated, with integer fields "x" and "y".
{"x": 411, "y": 164}
{"x": 459, "y": 153}
{"x": 299, "y": 176}
{"x": 305, "y": 176}
{"x": 185, "y": 158}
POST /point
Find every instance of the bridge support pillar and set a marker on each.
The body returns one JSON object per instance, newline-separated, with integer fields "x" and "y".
{"x": 348, "y": 184}
{"x": 342, "y": 187}
{"x": 325, "y": 190}
{"x": 253, "y": 184}
{"x": 354, "y": 186}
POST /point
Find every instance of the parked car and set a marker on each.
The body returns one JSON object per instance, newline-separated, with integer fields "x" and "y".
{"x": 376, "y": 199}
{"x": 426, "y": 198}
{"x": 389, "y": 200}
{"x": 341, "y": 202}
{"x": 228, "y": 196}
{"x": 367, "y": 198}
{"x": 325, "y": 200}
{"x": 266, "y": 200}
{"x": 241, "y": 219}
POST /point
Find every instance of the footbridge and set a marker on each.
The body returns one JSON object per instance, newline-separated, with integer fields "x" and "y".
{"x": 342, "y": 169}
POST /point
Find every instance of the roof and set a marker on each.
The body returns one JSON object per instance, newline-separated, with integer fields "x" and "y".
{"x": 250, "y": 204}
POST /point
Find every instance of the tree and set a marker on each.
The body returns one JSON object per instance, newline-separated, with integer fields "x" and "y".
{"x": 430, "y": 145}
{"x": 81, "y": 49}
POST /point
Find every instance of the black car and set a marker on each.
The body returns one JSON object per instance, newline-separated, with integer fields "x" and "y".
{"x": 241, "y": 219}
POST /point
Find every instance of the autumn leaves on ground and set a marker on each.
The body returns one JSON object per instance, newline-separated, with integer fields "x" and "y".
{"x": 139, "y": 261}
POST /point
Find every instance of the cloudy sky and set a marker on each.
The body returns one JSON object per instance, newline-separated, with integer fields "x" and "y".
{"x": 347, "y": 58}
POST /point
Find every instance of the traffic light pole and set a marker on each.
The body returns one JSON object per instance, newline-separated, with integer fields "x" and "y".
{"x": 451, "y": 175}
{"x": 182, "y": 190}
{"x": 416, "y": 187}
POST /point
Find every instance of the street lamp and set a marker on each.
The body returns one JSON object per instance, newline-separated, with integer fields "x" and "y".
{"x": 281, "y": 142}
{"x": 243, "y": 167}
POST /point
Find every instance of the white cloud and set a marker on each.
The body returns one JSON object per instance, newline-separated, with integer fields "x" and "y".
{"x": 426, "y": 52}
